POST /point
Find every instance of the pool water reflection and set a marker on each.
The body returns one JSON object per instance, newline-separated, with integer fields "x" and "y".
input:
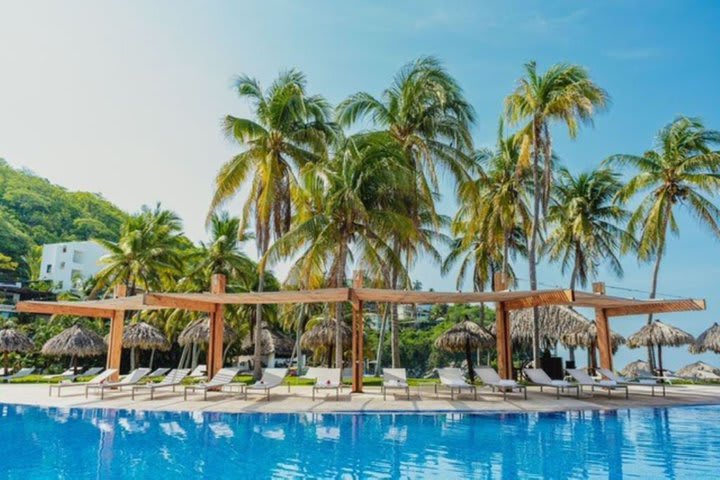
{"x": 680, "y": 442}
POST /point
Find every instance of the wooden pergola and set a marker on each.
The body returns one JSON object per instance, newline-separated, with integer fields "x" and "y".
{"x": 212, "y": 303}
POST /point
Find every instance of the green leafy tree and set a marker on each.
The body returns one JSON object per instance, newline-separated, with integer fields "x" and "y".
{"x": 564, "y": 93}
{"x": 290, "y": 129}
{"x": 681, "y": 172}
{"x": 587, "y": 227}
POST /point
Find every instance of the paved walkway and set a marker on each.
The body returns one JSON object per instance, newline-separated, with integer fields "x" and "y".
{"x": 299, "y": 400}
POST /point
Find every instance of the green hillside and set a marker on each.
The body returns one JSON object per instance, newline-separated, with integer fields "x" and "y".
{"x": 33, "y": 211}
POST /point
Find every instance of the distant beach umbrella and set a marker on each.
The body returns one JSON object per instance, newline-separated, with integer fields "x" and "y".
{"x": 198, "y": 332}
{"x": 76, "y": 341}
{"x": 143, "y": 336}
{"x": 586, "y": 336}
{"x": 465, "y": 336}
{"x": 322, "y": 336}
{"x": 699, "y": 370}
{"x": 659, "y": 334}
{"x": 708, "y": 340}
{"x": 13, "y": 341}
{"x": 638, "y": 368}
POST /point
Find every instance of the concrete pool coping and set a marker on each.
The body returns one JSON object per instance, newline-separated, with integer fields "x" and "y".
{"x": 299, "y": 400}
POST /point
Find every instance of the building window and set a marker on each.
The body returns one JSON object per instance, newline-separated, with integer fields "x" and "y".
{"x": 64, "y": 248}
{"x": 77, "y": 256}
{"x": 48, "y": 268}
{"x": 62, "y": 265}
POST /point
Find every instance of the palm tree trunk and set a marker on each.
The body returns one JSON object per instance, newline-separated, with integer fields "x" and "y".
{"x": 394, "y": 326}
{"x": 183, "y": 356}
{"x": 339, "y": 310}
{"x": 660, "y": 365}
{"x": 653, "y": 286}
{"x": 532, "y": 247}
{"x": 5, "y": 362}
{"x": 468, "y": 359}
{"x": 257, "y": 337}
{"x": 381, "y": 338}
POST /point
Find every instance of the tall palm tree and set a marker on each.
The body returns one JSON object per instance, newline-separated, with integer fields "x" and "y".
{"x": 425, "y": 112}
{"x": 586, "y": 224}
{"x": 148, "y": 253}
{"x": 682, "y": 171}
{"x": 290, "y": 129}
{"x": 357, "y": 187}
{"x": 564, "y": 93}
{"x": 223, "y": 253}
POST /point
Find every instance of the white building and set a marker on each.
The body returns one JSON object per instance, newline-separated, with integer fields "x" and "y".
{"x": 68, "y": 264}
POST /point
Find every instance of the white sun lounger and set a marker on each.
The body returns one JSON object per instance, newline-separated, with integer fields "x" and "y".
{"x": 395, "y": 378}
{"x": 23, "y": 372}
{"x": 539, "y": 378}
{"x": 100, "y": 378}
{"x": 159, "y": 372}
{"x": 171, "y": 380}
{"x": 223, "y": 377}
{"x": 640, "y": 382}
{"x": 585, "y": 380}
{"x": 491, "y": 378}
{"x": 128, "y": 380}
{"x": 327, "y": 379}
{"x": 271, "y": 378}
{"x": 199, "y": 372}
{"x": 452, "y": 378}
{"x": 69, "y": 373}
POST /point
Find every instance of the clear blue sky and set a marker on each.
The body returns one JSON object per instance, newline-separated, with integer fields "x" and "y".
{"x": 125, "y": 98}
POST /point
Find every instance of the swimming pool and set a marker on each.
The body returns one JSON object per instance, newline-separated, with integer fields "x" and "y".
{"x": 679, "y": 442}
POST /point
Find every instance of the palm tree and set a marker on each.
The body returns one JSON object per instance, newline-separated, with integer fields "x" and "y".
{"x": 586, "y": 224}
{"x": 290, "y": 129}
{"x": 425, "y": 112}
{"x": 683, "y": 170}
{"x": 147, "y": 254}
{"x": 357, "y": 187}
{"x": 223, "y": 254}
{"x": 563, "y": 93}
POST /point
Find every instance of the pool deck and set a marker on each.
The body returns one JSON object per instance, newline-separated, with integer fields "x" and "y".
{"x": 300, "y": 400}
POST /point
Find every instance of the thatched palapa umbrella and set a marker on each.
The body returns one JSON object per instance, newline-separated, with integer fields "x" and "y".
{"x": 465, "y": 336}
{"x": 636, "y": 369}
{"x": 198, "y": 333}
{"x": 11, "y": 341}
{"x": 322, "y": 335}
{"x": 586, "y": 336}
{"x": 555, "y": 321}
{"x": 76, "y": 341}
{"x": 699, "y": 370}
{"x": 659, "y": 334}
{"x": 143, "y": 336}
{"x": 708, "y": 340}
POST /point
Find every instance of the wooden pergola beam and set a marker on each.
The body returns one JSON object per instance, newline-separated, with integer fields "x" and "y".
{"x": 117, "y": 327}
{"x": 657, "y": 306}
{"x": 63, "y": 308}
{"x": 502, "y": 322}
{"x": 217, "y": 328}
{"x": 542, "y": 298}
{"x": 181, "y": 301}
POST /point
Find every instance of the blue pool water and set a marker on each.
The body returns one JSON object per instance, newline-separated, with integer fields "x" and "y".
{"x": 680, "y": 442}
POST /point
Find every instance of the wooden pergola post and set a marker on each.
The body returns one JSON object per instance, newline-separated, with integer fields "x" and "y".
{"x": 602, "y": 326}
{"x": 217, "y": 328}
{"x": 117, "y": 326}
{"x": 502, "y": 322}
{"x": 358, "y": 343}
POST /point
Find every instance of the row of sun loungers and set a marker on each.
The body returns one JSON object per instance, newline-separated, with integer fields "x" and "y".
{"x": 451, "y": 379}
{"x": 23, "y": 372}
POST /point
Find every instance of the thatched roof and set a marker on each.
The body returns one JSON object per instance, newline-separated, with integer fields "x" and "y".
{"x": 271, "y": 342}
{"x": 555, "y": 321}
{"x": 145, "y": 337}
{"x": 199, "y": 332}
{"x": 75, "y": 341}
{"x": 636, "y": 369}
{"x": 323, "y": 335}
{"x": 699, "y": 370}
{"x": 463, "y": 335}
{"x": 12, "y": 340}
{"x": 708, "y": 340}
{"x": 659, "y": 333}
{"x": 586, "y": 335}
